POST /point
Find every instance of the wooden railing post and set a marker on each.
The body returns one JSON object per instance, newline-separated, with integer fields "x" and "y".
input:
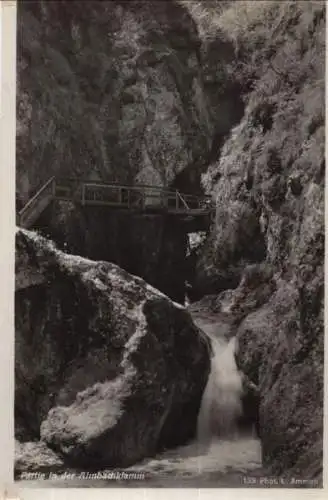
{"x": 163, "y": 199}
{"x": 83, "y": 194}
{"x": 143, "y": 199}
{"x": 53, "y": 187}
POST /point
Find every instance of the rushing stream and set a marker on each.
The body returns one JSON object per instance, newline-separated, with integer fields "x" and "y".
{"x": 222, "y": 455}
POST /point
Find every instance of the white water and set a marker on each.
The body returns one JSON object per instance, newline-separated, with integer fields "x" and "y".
{"x": 221, "y": 455}
{"x": 221, "y": 404}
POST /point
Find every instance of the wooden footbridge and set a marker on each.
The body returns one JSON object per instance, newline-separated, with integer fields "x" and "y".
{"x": 138, "y": 198}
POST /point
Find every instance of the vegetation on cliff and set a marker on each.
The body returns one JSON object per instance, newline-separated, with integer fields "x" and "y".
{"x": 277, "y": 149}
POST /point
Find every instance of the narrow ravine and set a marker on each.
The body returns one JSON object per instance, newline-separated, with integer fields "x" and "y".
{"x": 219, "y": 100}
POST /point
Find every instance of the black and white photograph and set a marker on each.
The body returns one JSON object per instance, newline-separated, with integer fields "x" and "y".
{"x": 169, "y": 244}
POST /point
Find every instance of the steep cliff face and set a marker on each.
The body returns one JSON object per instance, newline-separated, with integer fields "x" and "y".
{"x": 107, "y": 368}
{"x": 108, "y": 90}
{"x": 282, "y": 353}
{"x": 268, "y": 183}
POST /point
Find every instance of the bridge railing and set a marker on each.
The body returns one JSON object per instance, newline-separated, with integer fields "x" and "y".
{"x": 141, "y": 197}
{"x": 68, "y": 189}
{"x": 138, "y": 197}
{"x": 119, "y": 195}
{"x": 37, "y": 203}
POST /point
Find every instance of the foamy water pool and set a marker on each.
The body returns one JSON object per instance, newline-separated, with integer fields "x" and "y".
{"x": 222, "y": 463}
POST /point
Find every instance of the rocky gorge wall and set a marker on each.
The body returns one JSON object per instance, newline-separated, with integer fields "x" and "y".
{"x": 263, "y": 263}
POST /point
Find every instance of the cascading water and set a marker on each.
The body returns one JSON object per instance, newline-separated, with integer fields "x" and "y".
{"x": 221, "y": 404}
{"x": 221, "y": 454}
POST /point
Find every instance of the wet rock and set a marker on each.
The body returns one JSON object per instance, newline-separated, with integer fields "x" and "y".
{"x": 230, "y": 306}
{"x": 250, "y": 401}
{"x": 107, "y": 368}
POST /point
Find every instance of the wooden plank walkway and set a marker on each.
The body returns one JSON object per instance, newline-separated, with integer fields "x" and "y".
{"x": 140, "y": 198}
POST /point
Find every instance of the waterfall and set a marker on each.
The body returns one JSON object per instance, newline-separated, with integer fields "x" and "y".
{"x": 222, "y": 453}
{"x": 221, "y": 403}
{"x": 222, "y": 441}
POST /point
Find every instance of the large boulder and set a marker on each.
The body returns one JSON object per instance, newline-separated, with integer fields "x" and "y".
{"x": 108, "y": 369}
